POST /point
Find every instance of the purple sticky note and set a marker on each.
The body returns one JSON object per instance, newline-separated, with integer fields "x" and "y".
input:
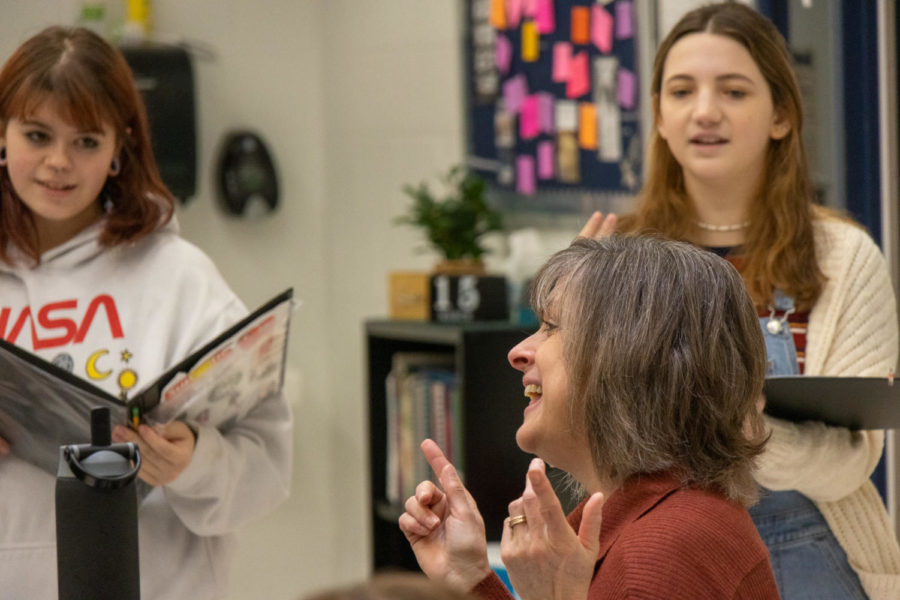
{"x": 529, "y": 120}
{"x": 546, "y": 160}
{"x": 529, "y": 8}
{"x": 546, "y": 112}
{"x": 602, "y": 29}
{"x": 579, "y": 82}
{"x": 544, "y": 19}
{"x": 562, "y": 56}
{"x": 513, "y": 13}
{"x": 525, "y": 183}
{"x": 503, "y": 52}
{"x": 624, "y": 21}
{"x": 626, "y": 86}
{"x": 514, "y": 91}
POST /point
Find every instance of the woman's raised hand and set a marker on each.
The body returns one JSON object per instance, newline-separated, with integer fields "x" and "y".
{"x": 545, "y": 558}
{"x": 598, "y": 226}
{"x": 444, "y": 528}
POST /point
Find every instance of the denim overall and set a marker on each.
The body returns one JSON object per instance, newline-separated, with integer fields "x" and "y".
{"x": 807, "y": 560}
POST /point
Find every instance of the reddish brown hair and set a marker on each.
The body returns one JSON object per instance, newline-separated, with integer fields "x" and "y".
{"x": 90, "y": 83}
{"x": 779, "y": 250}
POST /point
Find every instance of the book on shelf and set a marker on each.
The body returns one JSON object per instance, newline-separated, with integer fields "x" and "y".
{"x": 852, "y": 402}
{"x": 43, "y": 407}
{"x": 421, "y": 402}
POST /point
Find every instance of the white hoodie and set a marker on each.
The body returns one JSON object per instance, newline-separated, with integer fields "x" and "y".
{"x": 110, "y": 315}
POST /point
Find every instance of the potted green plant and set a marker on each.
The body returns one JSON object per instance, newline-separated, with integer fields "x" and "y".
{"x": 455, "y": 223}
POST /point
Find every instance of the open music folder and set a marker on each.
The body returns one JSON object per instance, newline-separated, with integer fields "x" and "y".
{"x": 43, "y": 407}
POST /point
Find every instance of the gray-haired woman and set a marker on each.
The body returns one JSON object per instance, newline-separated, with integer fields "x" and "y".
{"x": 643, "y": 383}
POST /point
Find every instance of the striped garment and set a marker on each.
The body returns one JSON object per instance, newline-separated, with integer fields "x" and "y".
{"x": 799, "y": 321}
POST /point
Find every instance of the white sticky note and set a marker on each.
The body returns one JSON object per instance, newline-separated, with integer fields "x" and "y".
{"x": 566, "y": 115}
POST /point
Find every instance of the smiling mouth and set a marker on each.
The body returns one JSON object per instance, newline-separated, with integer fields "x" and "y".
{"x": 533, "y": 392}
{"x": 57, "y": 187}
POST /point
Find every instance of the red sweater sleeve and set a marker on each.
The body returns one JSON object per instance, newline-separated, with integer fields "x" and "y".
{"x": 492, "y": 588}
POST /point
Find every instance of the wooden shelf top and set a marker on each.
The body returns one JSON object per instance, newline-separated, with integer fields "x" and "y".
{"x": 438, "y": 333}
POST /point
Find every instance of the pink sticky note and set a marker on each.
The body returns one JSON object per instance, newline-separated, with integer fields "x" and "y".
{"x": 529, "y": 119}
{"x": 562, "y": 56}
{"x": 544, "y": 19}
{"x": 529, "y": 8}
{"x": 546, "y": 160}
{"x": 624, "y": 21}
{"x": 626, "y": 87}
{"x": 546, "y": 112}
{"x": 503, "y": 52}
{"x": 514, "y": 91}
{"x": 525, "y": 183}
{"x": 513, "y": 13}
{"x": 602, "y": 29}
{"x": 579, "y": 82}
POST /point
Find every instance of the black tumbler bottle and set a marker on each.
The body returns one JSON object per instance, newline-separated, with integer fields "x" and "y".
{"x": 96, "y": 517}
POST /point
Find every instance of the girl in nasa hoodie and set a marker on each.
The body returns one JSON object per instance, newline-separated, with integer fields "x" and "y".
{"x": 94, "y": 278}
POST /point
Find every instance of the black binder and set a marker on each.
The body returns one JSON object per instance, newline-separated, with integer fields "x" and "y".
{"x": 852, "y": 402}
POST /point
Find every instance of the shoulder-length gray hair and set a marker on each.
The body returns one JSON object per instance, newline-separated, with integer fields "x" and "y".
{"x": 665, "y": 359}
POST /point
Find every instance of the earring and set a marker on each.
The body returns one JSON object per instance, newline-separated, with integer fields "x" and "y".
{"x": 108, "y": 206}
{"x": 2, "y": 156}
{"x": 114, "y": 167}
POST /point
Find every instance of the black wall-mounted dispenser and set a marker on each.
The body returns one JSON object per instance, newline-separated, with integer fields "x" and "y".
{"x": 248, "y": 179}
{"x": 165, "y": 77}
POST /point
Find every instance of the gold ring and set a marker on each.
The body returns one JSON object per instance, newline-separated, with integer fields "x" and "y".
{"x": 516, "y": 520}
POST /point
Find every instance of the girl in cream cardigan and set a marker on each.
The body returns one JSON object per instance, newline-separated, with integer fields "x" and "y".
{"x": 727, "y": 171}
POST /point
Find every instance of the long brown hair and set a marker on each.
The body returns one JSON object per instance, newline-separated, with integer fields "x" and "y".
{"x": 665, "y": 359}
{"x": 90, "y": 82}
{"x": 779, "y": 250}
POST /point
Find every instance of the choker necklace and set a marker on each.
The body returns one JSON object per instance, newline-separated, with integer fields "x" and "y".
{"x": 735, "y": 227}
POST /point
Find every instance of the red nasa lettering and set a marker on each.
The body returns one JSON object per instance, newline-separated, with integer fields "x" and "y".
{"x": 58, "y": 326}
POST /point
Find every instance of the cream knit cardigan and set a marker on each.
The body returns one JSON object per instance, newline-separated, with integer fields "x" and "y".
{"x": 852, "y": 332}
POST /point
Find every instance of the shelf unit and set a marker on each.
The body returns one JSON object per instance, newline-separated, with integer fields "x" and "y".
{"x": 491, "y": 400}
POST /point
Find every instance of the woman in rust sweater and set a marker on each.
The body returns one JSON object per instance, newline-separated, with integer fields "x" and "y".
{"x": 642, "y": 384}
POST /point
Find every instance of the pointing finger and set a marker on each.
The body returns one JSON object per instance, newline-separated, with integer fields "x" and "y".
{"x": 435, "y": 456}
{"x": 456, "y": 493}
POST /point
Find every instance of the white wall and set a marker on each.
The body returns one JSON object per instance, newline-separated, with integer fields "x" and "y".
{"x": 267, "y": 76}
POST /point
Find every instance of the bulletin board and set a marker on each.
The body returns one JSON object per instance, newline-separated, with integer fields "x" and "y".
{"x": 553, "y": 107}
